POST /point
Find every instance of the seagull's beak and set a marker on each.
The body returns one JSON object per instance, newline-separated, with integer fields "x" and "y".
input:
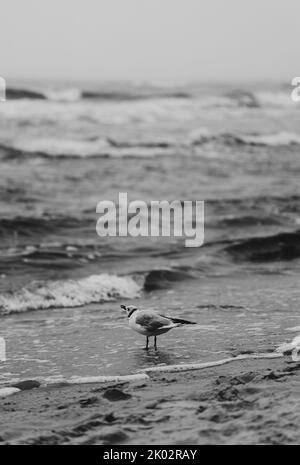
{"x": 123, "y": 307}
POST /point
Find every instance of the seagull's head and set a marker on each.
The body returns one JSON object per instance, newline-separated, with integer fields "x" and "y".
{"x": 130, "y": 309}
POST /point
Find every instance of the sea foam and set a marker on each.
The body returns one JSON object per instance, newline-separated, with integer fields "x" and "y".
{"x": 69, "y": 293}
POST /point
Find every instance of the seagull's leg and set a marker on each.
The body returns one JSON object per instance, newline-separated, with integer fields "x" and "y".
{"x": 155, "y": 343}
{"x": 147, "y": 343}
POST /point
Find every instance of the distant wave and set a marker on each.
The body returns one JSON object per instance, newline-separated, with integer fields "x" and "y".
{"x": 28, "y": 225}
{"x": 239, "y": 98}
{"x": 271, "y": 140}
{"x": 125, "y": 96}
{"x": 53, "y": 255}
{"x": 68, "y": 293}
{"x": 74, "y": 94}
{"x": 58, "y": 147}
{"x": 71, "y": 94}
{"x": 57, "y": 95}
{"x": 278, "y": 139}
{"x": 107, "y": 147}
{"x": 247, "y": 221}
{"x": 16, "y": 94}
{"x": 85, "y": 148}
{"x": 160, "y": 144}
{"x": 280, "y": 203}
{"x": 282, "y": 246}
{"x": 244, "y": 99}
{"x": 274, "y": 98}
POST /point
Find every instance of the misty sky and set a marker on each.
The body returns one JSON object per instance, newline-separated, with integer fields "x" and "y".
{"x": 146, "y": 39}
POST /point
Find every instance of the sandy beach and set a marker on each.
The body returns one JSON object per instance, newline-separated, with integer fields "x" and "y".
{"x": 245, "y": 402}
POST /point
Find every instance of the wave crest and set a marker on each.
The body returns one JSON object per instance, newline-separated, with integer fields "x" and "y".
{"x": 102, "y": 147}
{"x": 282, "y": 246}
{"x": 163, "y": 278}
{"x": 69, "y": 293}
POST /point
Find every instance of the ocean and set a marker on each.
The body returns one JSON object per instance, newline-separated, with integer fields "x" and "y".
{"x": 65, "y": 147}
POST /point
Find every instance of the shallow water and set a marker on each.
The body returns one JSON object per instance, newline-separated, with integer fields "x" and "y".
{"x": 234, "y": 316}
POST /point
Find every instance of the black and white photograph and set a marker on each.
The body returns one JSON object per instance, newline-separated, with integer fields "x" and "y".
{"x": 149, "y": 225}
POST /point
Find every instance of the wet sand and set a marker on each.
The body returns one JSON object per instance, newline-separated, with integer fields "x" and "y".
{"x": 245, "y": 402}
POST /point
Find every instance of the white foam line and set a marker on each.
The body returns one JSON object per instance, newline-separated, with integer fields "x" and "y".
{"x": 8, "y": 391}
{"x": 201, "y": 366}
{"x": 107, "y": 379}
{"x": 295, "y": 328}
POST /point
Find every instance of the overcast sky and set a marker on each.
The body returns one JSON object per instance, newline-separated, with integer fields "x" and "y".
{"x": 189, "y": 39}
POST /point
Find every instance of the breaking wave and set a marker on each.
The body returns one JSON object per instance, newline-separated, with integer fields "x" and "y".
{"x": 68, "y": 293}
{"x": 85, "y": 148}
{"x": 163, "y": 278}
{"x": 40, "y": 295}
{"x": 107, "y": 147}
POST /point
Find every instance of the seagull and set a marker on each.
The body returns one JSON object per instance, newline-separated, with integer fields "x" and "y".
{"x": 150, "y": 323}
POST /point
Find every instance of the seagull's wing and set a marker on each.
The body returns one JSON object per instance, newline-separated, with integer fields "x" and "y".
{"x": 178, "y": 320}
{"x": 152, "y": 321}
